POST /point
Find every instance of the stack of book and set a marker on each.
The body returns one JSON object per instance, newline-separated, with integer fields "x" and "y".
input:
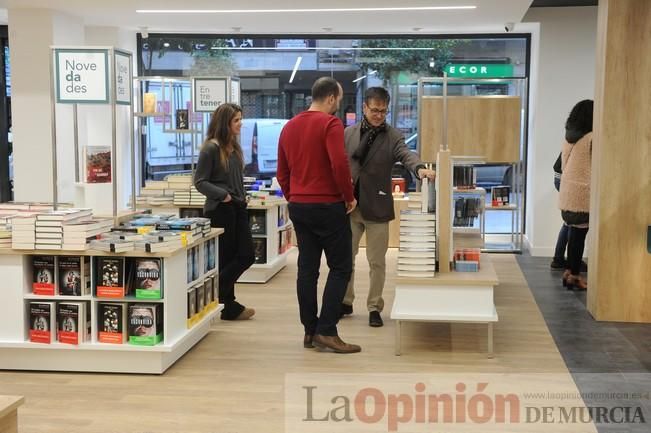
{"x": 112, "y": 245}
{"x": 189, "y": 197}
{"x": 23, "y": 232}
{"x": 417, "y": 253}
{"x": 77, "y": 234}
{"x": 5, "y": 234}
{"x": 190, "y": 230}
{"x": 49, "y": 227}
{"x": 464, "y": 177}
{"x": 178, "y": 181}
{"x": 159, "y": 241}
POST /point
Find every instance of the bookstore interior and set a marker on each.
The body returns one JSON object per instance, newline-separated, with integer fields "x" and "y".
{"x": 110, "y": 268}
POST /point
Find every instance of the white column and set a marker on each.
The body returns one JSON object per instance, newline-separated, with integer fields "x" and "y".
{"x": 31, "y": 33}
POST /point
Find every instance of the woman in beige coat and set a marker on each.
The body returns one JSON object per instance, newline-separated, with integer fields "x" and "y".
{"x": 574, "y": 197}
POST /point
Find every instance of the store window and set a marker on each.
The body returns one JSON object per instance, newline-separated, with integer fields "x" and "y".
{"x": 276, "y": 76}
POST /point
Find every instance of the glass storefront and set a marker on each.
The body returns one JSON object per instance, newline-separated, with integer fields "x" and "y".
{"x": 276, "y": 76}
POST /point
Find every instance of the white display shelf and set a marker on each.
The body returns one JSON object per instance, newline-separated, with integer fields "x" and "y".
{"x": 17, "y": 353}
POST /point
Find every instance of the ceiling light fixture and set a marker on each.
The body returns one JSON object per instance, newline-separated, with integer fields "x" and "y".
{"x": 296, "y": 65}
{"x": 284, "y": 11}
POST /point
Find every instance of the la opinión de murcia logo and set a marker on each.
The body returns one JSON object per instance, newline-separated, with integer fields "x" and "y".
{"x": 468, "y": 405}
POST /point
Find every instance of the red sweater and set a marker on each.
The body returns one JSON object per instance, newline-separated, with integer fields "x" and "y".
{"x": 312, "y": 162}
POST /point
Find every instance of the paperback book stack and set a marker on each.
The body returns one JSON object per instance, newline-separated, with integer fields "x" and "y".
{"x": 23, "y": 232}
{"x": 417, "y": 253}
{"x": 112, "y": 245}
{"x": 49, "y": 227}
{"x": 5, "y": 233}
{"x": 78, "y": 234}
{"x": 179, "y": 182}
{"x": 190, "y": 230}
{"x": 189, "y": 197}
{"x": 159, "y": 241}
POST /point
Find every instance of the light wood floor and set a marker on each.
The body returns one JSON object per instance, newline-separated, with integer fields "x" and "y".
{"x": 232, "y": 381}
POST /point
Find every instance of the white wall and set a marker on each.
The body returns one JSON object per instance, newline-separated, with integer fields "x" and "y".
{"x": 31, "y": 33}
{"x": 566, "y": 73}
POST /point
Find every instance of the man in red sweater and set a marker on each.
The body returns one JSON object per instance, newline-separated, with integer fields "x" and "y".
{"x": 314, "y": 175}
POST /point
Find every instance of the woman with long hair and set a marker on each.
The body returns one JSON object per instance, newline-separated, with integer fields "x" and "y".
{"x": 574, "y": 197}
{"x": 219, "y": 176}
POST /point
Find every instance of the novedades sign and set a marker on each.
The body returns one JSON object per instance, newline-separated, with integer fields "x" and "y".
{"x": 81, "y": 75}
{"x": 479, "y": 71}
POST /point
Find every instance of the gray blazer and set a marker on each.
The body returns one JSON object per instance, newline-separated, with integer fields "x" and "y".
{"x": 374, "y": 176}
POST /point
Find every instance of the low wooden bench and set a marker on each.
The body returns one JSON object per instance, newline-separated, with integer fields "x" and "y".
{"x": 9, "y": 413}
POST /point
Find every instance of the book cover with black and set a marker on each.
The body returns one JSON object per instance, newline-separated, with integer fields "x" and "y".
{"x": 44, "y": 275}
{"x": 208, "y": 291}
{"x": 189, "y": 265}
{"x": 182, "y": 119}
{"x": 260, "y": 250}
{"x": 148, "y": 278}
{"x": 70, "y": 322}
{"x": 74, "y": 275}
{"x": 192, "y": 303}
{"x": 195, "y": 263}
{"x": 145, "y": 324}
{"x": 206, "y": 252}
{"x": 112, "y": 322}
{"x": 212, "y": 244}
{"x": 110, "y": 277}
{"x": 42, "y": 323}
{"x": 257, "y": 221}
{"x": 201, "y": 297}
{"x": 215, "y": 287}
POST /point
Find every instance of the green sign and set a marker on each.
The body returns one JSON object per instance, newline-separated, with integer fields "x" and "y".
{"x": 479, "y": 71}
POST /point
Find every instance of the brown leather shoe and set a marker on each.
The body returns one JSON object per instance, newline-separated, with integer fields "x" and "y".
{"x": 335, "y": 344}
{"x": 307, "y": 341}
{"x": 246, "y": 314}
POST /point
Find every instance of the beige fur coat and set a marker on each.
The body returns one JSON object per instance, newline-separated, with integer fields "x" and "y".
{"x": 576, "y": 161}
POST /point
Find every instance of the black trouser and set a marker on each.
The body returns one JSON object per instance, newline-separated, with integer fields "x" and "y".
{"x": 235, "y": 252}
{"x": 561, "y": 243}
{"x": 322, "y": 227}
{"x": 575, "y": 247}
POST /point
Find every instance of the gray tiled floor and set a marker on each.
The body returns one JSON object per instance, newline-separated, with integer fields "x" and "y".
{"x": 603, "y": 357}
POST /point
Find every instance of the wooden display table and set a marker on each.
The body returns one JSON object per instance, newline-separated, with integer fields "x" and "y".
{"x": 9, "y": 413}
{"x": 462, "y": 297}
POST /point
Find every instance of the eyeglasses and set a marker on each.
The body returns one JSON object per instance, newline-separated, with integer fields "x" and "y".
{"x": 142, "y": 321}
{"x": 380, "y": 112}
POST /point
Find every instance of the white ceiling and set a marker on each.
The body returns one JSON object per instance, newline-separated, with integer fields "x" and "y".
{"x": 489, "y": 16}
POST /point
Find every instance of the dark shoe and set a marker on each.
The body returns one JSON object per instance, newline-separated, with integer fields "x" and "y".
{"x": 246, "y": 314}
{"x": 576, "y": 282}
{"x": 307, "y": 341}
{"x": 566, "y": 275}
{"x": 346, "y": 310}
{"x": 584, "y": 266}
{"x": 334, "y": 343}
{"x": 558, "y": 264}
{"x": 375, "y": 320}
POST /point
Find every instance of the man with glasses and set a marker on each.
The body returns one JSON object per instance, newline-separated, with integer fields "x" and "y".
{"x": 373, "y": 148}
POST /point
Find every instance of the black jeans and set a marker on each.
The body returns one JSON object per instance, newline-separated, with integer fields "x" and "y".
{"x": 561, "y": 243}
{"x": 575, "y": 247}
{"x": 322, "y": 227}
{"x": 235, "y": 252}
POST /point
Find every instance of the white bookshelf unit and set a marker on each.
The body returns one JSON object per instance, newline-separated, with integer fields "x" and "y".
{"x": 179, "y": 334}
{"x": 275, "y": 217}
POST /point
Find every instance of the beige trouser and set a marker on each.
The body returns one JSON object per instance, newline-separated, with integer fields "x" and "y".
{"x": 377, "y": 243}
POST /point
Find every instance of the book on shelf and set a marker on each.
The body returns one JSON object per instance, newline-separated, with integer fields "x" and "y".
{"x": 407, "y": 254}
{"x": 215, "y": 287}
{"x": 65, "y": 215}
{"x": 284, "y": 240}
{"x": 416, "y": 267}
{"x": 88, "y": 225}
{"x": 415, "y": 274}
{"x": 464, "y": 177}
{"x": 98, "y": 164}
{"x": 417, "y": 246}
{"x": 149, "y": 278}
{"x": 192, "y": 303}
{"x": 110, "y": 278}
{"x": 417, "y": 260}
{"x": 182, "y": 121}
{"x": 257, "y": 221}
{"x": 74, "y": 275}
{"x": 149, "y": 102}
{"x": 145, "y": 324}
{"x": 57, "y": 236}
{"x": 208, "y": 291}
{"x": 124, "y": 235}
{"x": 112, "y": 322}
{"x": 158, "y": 246}
{"x": 195, "y": 263}
{"x": 44, "y": 275}
{"x": 500, "y": 195}
{"x": 417, "y": 238}
{"x": 42, "y": 322}
{"x": 201, "y": 297}
{"x": 417, "y": 231}
{"x": 73, "y": 322}
{"x": 260, "y": 250}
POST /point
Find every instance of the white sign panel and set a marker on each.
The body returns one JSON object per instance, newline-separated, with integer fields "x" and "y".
{"x": 235, "y": 92}
{"x": 123, "y": 78}
{"x": 209, "y": 93}
{"x": 81, "y": 75}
